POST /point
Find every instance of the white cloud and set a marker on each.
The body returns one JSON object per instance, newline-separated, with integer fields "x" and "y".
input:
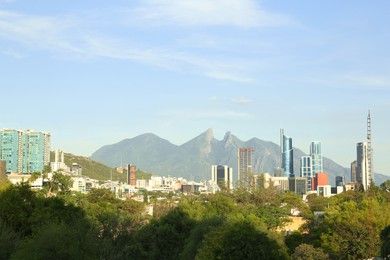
{"x": 242, "y": 13}
{"x": 242, "y": 101}
{"x": 207, "y": 114}
{"x": 70, "y": 34}
{"x": 369, "y": 80}
{"x": 13, "y": 54}
{"x": 222, "y": 75}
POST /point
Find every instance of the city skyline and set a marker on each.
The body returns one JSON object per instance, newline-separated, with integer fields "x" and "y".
{"x": 95, "y": 73}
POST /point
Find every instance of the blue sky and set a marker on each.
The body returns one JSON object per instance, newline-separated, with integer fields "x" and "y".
{"x": 96, "y": 72}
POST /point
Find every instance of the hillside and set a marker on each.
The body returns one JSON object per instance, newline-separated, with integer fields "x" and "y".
{"x": 99, "y": 171}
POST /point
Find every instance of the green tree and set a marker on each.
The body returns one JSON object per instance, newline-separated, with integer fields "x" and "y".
{"x": 308, "y": 252}
{"x": 352, "y": 230}
{"x": 385, "y": 239}
{"x": 59, "y": 241}
{"x": 240, "y": 240}
{"x": 385, "y": 186}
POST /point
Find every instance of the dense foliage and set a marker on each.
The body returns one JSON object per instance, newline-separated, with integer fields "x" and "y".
{"x": 238, "y": 225}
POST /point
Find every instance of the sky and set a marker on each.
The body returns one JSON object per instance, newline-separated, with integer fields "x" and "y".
{"x": 94, "y": 73}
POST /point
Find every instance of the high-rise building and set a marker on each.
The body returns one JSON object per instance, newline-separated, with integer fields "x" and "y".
{"x": 36, "y": 151}
{"x": 245, "y": 169}
{"x": 222, "y": 175}
{"x": 316, "y": 157}
{"x": 11, "y": 149}
{"x": 131, "y": 169}
{"x": 362, "y": 173}
{"x": 307, "y": 170}
{"x": 353, "y": 172}
{"x": 24, "y": 151}
{"x": 286, "y": 151}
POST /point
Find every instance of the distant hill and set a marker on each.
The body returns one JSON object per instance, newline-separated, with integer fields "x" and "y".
{"x": 194, "y": 158}
{"x": 99, "y": 171}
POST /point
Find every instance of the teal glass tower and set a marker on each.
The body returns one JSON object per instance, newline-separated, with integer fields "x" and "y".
{"x": 24, "y": 151}
{"x": 286, "y": 150}
{"x": 11, "y": 149}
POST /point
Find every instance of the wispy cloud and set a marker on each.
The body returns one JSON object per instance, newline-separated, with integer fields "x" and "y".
{"x": 242, "y": 101}
{"x": 207, "y": 114}
{"x": 72, "y": 34}
{"x": 222, "y": 75}
{"x": 369, "y": 80}
{"x": 13, "y": 54}
{"x": 243, "y": 13}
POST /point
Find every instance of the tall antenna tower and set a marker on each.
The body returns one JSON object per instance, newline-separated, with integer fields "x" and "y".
{"x": 370, "y": 171}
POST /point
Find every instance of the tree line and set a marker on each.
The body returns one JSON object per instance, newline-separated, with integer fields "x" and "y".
{"x": 61, "y": 224}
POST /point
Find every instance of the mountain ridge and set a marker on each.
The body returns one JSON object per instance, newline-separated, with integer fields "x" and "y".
{"x": 193, "y": 159}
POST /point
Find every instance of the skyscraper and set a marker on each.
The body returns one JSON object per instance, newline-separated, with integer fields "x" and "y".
{"x": 286, "y": 151}
{"x": 131, "y": 169}
{"x": 316, "y": 157}
{"x": 223, "y": 176}
{"x": 24, "y": 151}
{"x": 245, "y": 171}
{"x": 307, "y": 170}
{"x": 362, "y": 174}
{"x": 11, "y": 149}
{"x": 353, "y": 172}
{"x": 36, "y": 151}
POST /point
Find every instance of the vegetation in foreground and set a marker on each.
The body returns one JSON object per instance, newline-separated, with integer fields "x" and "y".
{"x": 238, "y": 225}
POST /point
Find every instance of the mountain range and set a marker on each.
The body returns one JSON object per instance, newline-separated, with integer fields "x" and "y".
{"x": 193, "y": 159}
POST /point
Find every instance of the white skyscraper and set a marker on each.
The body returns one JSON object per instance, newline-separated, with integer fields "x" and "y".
{"x": 223, "y": 176}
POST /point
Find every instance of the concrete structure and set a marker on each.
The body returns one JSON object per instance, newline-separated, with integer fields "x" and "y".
{"x": 222, "y": 175}
{"x": 59, "y": 161}
{"x": 339, "y": 181}
{"x": 281, "y": 183}
{"x": 11, "y": 149}
{"x": 76, "y": 169}
{"x": 36, "y": 151}
{"x": 131, "y": 169}
{"x": 316, "y": 157}
{"x": 324, "y": 190}
{"x": 298, "y": 185}
{"x": 24, "y": 151}
{"x": 307, "y": 171}
{"x": 287, "y": 155}
{"x": 362, "y": 172}
{"x": 353, "y": 172}
{"x": 245, "y": 167}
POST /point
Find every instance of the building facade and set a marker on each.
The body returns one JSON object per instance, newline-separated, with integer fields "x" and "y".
{"x": 307, "y": 170}
{"x": 287, "y": 154}
{"x": 222, "y": 175}
{"x": 131, "y": 169}
{"x": 36, "y": 151}
{"x": 298, "y": 185}
{"x": 245, "y": 167}
{"x": 353, "y": 172}
{"x": 362, "y": 174}
{"x": 24, "y": 151}
{"x": 316, "y": 157}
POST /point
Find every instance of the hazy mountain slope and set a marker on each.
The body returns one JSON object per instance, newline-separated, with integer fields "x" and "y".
{"x": 194, "y": 158}
{"x": 99, "y": 171}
